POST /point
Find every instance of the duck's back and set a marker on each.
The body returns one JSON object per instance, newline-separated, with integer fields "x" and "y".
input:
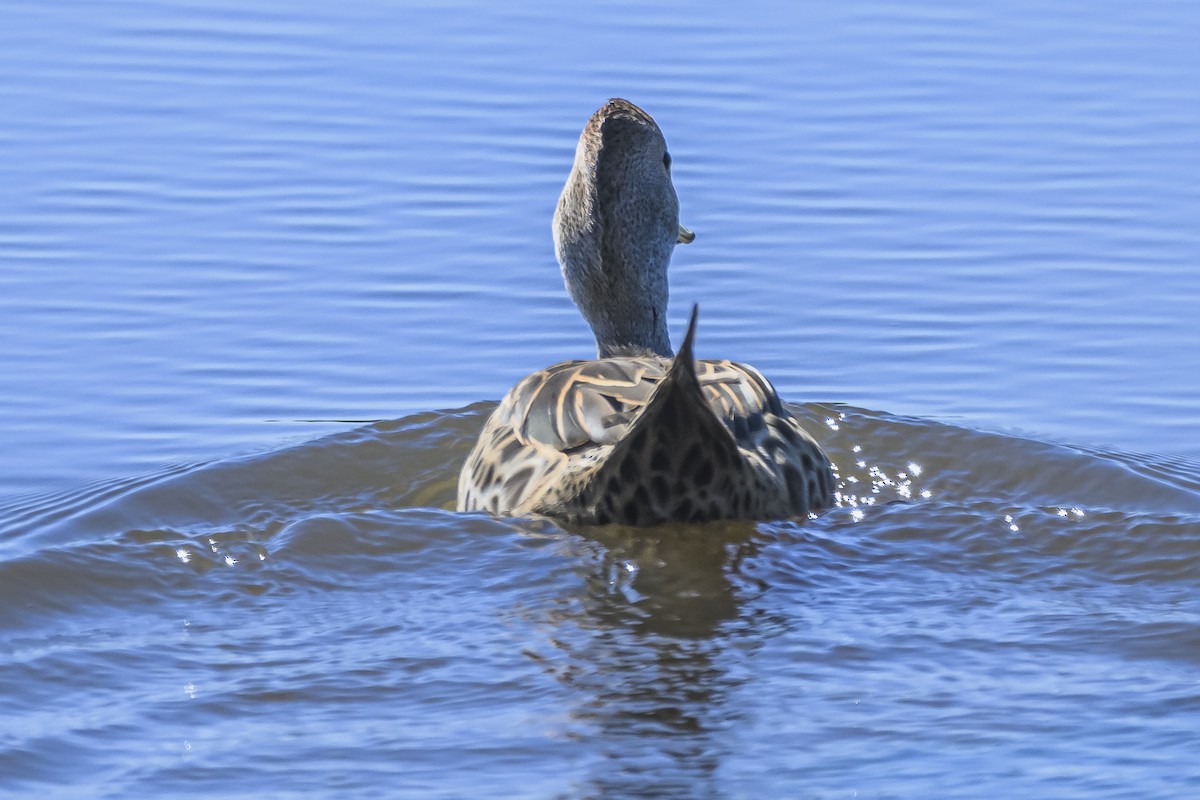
{"x": 644, "y": 439}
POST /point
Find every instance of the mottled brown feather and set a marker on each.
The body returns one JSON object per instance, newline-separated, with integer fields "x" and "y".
{"x": 564, "y": 456}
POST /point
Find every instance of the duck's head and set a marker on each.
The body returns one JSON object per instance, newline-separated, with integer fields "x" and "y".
{"x": 615, "y": 227}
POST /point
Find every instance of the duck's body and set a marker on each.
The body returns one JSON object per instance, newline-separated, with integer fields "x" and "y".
{"x": 637, "y": 436}
{"x": 635, "y": 441}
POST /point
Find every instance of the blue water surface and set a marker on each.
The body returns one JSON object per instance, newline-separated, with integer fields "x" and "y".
{"x": 264, "y": 266}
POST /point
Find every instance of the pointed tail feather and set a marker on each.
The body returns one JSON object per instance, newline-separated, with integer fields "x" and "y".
{"x": 674, "y": 452}
{"x": 685, "y": 350}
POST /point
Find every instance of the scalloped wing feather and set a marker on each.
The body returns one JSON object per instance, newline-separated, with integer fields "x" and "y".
{"x": 581, "y": 403}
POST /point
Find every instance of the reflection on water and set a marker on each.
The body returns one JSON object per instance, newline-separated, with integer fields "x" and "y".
{"x": 649, "y": 662}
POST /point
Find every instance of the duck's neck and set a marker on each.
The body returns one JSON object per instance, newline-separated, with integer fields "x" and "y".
{"x": 622, "y": 295}
{"x": 637, "y": 326}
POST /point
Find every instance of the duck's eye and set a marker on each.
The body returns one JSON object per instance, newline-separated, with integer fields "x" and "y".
{"x": 667, "y": 160}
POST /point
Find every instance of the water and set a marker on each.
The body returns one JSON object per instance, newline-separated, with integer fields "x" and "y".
{"x": 264, "y": 269}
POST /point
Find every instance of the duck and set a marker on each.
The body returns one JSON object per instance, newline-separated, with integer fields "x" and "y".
{"x": 640, "y": 435}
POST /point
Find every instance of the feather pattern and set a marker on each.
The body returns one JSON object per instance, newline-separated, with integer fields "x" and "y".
{"x": 565, "y": 442}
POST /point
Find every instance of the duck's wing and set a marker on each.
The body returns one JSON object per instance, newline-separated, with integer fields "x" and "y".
{"x": 581, "y": 403}
{"x": 549, "y": 427}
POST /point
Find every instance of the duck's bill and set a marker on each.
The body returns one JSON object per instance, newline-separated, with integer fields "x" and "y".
{"x": 685, "y": 236}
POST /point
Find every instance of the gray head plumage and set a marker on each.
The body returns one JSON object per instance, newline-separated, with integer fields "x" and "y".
{"x": 615, "y": 227}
